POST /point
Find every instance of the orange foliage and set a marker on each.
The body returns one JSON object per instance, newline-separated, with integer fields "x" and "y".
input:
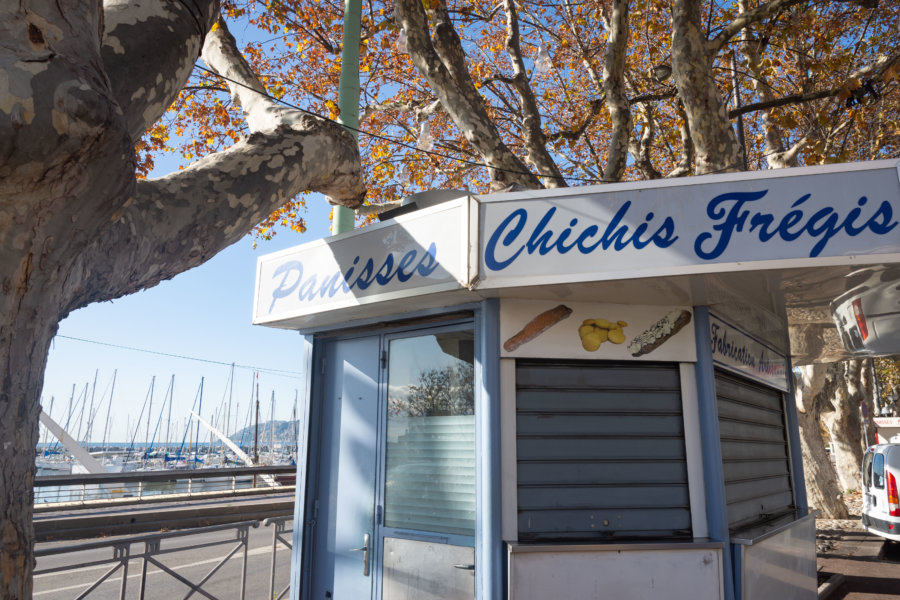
{"x": 295, "y": 47}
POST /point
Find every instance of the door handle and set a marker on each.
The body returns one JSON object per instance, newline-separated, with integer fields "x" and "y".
{"x": 465, "y": 567}
{"x": 365, "y": 551}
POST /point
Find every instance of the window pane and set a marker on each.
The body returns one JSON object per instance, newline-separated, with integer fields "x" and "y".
{"x": 878, "y": 478}
{"x": 430, "y": 461}
{"x": 867, "y": 469}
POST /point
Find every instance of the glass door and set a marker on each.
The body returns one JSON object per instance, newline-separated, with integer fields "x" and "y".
{"x": 394, "y": 500}
{"x": 428, "y": 532}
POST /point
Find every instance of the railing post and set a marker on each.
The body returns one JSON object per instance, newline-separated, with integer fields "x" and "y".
{"x": 124, "y": 554}
{"x": 150, "y": 546}
{"x": 275, "y": 525}
{"x": 244, "y": 533}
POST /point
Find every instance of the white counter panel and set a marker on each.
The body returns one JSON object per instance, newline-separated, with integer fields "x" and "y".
{"x": 782, "y": 565}
{"x": 636, "y": 572}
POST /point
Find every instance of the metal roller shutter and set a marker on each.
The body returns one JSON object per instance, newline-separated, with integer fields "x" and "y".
{"x": 754, "y": 451}
{"x": 600, "y": 450}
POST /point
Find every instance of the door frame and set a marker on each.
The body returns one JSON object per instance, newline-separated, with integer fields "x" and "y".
{"x": 490, "y": 581}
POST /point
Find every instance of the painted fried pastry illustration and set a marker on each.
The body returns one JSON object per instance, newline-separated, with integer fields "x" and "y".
{"x": 659, "y": 333}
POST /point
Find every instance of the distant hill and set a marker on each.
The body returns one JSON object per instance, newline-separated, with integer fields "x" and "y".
{"x": 283, "y": 434}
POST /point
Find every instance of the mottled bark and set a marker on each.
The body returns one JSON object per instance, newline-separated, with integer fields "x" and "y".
{"x": 685, "y": 165}
{"x": 75, "y": 225}
{"x": 167, "y": 35}
{"x": 823, "y": 490}
{"x": 447, "y": 76}
{"x": 641, "y": 148}
{"x": 715, "y": 144}
{"x": 532, "y": 130}
{"x": 773, "y": 149}
{"x": 851, "y": 388}
{"x": 614, "y": 88}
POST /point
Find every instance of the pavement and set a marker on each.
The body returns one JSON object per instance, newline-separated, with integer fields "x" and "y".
{"x": 860, "y": 566}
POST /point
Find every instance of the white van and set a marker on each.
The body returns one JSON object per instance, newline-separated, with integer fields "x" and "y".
{"x": 881, "y": 479}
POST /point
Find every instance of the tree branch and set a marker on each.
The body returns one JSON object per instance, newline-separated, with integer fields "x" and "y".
{"x": 614, "y": 87}
{"x": 179, "y": 221}
{"x": 873, "y": 71}
{"x": 756, "y": 15}
{"x": 165, "y": 38}
{"x": 641, "y": 149}
{"x": 532, "y": 131}
{"x": 454, "y": 88}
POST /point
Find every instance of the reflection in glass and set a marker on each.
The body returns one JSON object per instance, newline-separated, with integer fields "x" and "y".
{"x": 868, "y": 315}
{"x": 430, "y": 460}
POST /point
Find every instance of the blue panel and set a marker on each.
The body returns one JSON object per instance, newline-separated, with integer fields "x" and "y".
{"x": 793, "y": 435}
{"x": 489, "y": 554}
{"x": 299, "y": 537}
{"x": 713, "y": 472}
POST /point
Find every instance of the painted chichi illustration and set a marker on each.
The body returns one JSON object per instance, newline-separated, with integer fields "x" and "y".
{"x": 537, "y": 326}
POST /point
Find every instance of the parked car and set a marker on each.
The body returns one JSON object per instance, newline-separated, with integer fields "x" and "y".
{"x": 881, "y": 479}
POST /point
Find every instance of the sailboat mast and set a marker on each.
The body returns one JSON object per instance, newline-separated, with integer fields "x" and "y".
{"x": 149, "y": 412}
{"x": 197, "y": 438}
{"x": 272, "y": 430}
{"x": 230, "y": 395}
{"x": 90, "y": 424}
{"x": 169, "y": 418}
{"x": 256, "y": 428}
{"x": 108, "y": 408}
{"x": 81, "y": 414}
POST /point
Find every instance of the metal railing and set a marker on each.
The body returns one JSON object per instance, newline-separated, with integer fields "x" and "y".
{"x": 279, "y": 531}
{"x": 156, "y": 546}
{"x": 54, "y": 492}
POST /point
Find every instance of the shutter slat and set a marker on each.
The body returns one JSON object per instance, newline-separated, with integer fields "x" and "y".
{"x": 754, "y": 451}
{"x": 600, "y": 449}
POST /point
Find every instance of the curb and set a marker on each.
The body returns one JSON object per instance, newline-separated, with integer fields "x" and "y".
{"x": 833, "y": 583}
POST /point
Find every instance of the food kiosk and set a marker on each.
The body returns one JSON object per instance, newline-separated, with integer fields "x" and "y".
{"x": 570, "y": 393}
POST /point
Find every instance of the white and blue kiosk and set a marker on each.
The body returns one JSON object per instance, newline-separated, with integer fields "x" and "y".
{"x": 576, "y": 393}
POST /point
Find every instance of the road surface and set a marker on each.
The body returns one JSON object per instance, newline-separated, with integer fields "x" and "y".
{"x": 192, "y": 564}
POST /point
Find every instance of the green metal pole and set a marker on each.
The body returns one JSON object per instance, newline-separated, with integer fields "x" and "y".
{"x": 348, "y": 96}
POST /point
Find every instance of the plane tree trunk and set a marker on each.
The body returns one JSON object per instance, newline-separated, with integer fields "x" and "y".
{"x": 78, "y": 85}
{"x": 844, "y": 422}
{"x": 814, "y": 388}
